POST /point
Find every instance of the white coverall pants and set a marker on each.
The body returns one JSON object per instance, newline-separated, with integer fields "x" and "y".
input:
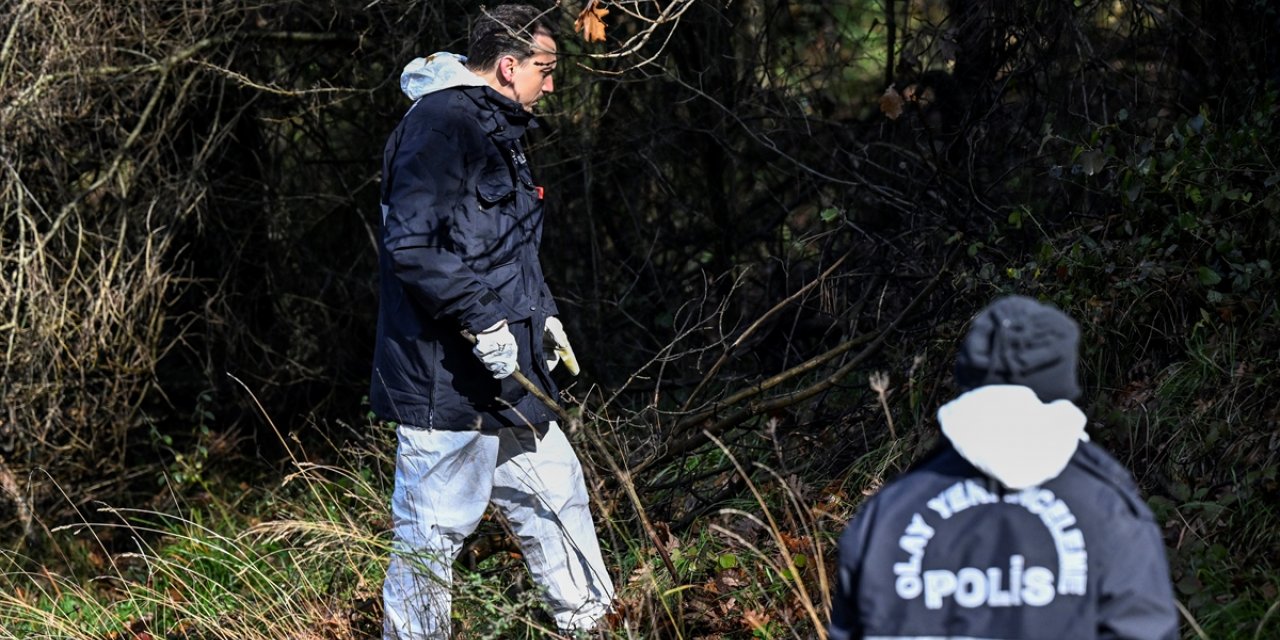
{"x": 444, "y": 481}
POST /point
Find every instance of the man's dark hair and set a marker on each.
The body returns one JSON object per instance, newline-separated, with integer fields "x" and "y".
{"x": 505, "y": 30}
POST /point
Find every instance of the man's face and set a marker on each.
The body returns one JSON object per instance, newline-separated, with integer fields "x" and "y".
{"x": 530, "y": 79}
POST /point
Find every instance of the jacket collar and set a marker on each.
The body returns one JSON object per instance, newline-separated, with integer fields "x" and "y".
{"x": 501, "y": 117}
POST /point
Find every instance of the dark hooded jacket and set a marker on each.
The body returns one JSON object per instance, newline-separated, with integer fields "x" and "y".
{"x": 1018, "y": 529}
{"x": 458, "y": 249}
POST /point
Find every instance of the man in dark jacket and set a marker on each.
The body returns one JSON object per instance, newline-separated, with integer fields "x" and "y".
{"x": 461, "y": 226}
{"x": 1019, "y": 528}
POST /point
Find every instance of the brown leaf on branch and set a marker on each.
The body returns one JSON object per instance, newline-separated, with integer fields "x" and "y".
{"x": 590, "y": 22}
{"x": 891, "y": 103}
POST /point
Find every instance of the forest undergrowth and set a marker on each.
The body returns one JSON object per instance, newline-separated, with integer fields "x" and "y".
{"x": 299, "y": 552}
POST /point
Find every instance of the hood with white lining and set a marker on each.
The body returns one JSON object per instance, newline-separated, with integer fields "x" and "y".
{"x": 1009, "y": 434}
{"x": 437, "y": 71}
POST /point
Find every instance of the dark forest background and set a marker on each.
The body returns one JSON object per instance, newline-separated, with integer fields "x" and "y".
{"x": 770, "y": 222}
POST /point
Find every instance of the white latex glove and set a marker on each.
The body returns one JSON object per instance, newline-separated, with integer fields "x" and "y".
{"x": 496, "y": 348}
{"x": 556, "y": 343}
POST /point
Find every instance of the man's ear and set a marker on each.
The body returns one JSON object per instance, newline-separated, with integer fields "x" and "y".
{"x": 507, "y": 68}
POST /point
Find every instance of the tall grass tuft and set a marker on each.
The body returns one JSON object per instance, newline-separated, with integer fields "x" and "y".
{"x": 308, "y": 570}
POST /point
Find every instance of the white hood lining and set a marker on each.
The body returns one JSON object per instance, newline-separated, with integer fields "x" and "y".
{"x": 437, "y": 71}
{"x": 1007, "y": 433}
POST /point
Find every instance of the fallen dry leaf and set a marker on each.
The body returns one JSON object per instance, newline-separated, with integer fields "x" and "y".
{"x": 756, "y": 618}
{"x": 795, "y": 543}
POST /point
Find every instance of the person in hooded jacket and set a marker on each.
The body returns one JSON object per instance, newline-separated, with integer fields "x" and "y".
{"x": 1018, "y": 527}
{"x": 461, "y": 227}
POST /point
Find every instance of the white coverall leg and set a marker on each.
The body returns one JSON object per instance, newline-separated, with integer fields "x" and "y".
{"x": 444, "y": 481}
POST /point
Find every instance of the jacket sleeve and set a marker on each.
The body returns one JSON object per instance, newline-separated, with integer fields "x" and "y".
{"x": 1136, "y": 596}
{"x": 846, "y": 618}
{"x": 549, "y": 301}
{"x": 428, "y": 181}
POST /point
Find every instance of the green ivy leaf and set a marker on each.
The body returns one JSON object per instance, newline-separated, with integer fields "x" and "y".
{"x": 1209, "y": 277}
{"x": 1015, "y": 218}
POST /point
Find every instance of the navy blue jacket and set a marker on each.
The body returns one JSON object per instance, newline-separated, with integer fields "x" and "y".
{"x": 946, "y": 552}
{"x": 458, "y": 249}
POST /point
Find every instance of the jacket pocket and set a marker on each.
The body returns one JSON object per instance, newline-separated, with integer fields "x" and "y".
{"x": 485, "y": 231}
{"x": 495, "y": 185}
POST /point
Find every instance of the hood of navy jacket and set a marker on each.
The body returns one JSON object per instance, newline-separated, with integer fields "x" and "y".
{"x": 441, "y": 70}
{"x": 1009, "y": 434}
{"x": 444, "y": 70}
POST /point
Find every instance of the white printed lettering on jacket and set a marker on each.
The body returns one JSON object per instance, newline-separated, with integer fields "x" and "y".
{"x": 1013, "y": 584}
